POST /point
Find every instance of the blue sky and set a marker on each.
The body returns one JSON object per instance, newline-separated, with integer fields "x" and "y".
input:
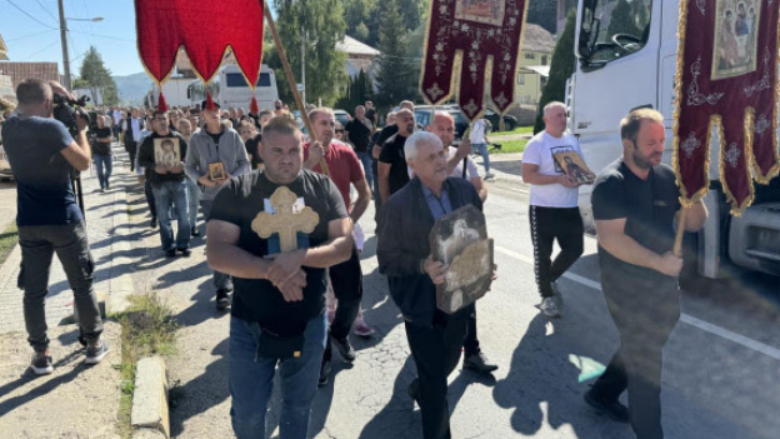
{"x": 38, "y": 39}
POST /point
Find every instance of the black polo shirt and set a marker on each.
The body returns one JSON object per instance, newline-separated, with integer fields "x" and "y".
{"x": 649, "y": 207}
{"x": 258, "y": 300}
{"x": 393, "y": 153}
{"x": 359, "y": 134}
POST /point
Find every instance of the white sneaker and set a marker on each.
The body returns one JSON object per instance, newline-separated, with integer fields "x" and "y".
{"x": 549, "y": 307}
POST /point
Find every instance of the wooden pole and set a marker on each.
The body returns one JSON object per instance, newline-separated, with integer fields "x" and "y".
{"x": 680, "y": 231}
{"x": 291, "y": 80}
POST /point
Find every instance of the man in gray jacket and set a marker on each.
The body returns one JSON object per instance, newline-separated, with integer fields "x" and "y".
{"x": 215, "y": 155}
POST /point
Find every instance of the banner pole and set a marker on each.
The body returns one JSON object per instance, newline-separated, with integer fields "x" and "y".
{"x": 680, "y": 231}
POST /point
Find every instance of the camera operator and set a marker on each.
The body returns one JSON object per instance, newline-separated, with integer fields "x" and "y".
{"x": 43, "y": 155}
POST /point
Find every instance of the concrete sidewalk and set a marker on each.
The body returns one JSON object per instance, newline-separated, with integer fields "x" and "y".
{"x": 75, "y": 401}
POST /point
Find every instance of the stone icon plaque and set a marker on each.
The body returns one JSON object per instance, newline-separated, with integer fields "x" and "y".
{"x": 459, "y": 239}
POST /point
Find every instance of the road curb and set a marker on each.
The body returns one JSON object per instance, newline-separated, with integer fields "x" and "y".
{"x": 150, "y": 417}
{"x": 121, "y": 282}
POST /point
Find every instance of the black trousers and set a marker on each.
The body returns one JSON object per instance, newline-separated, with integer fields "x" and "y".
{"x": 547, "y": 225}
{"x": 132, "y": 149}
{"x": 645, "y": 313}
{"x": 436, "y": 352}
{"x": 471, "y": 343}
{"x": 150, "y": 198}
{"x": 347, "y": 281}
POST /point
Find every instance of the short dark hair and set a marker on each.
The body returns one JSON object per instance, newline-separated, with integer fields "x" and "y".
{"x": 32, "y": 91}
{"x": 281, "y": 125}
{"x": 159, "y": 113}
{"x": 265, "y": 113}
{"x": 630, "y": 125}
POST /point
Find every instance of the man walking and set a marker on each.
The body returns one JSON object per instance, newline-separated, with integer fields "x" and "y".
{"x": 404, "y": 253}
{"x": 359, "y": 132}
{"x": 553, "y": 210}
{"x": 184, "y": 127}
{"x": 215, "y": 147}
{"x": 168, "y": 183}
{"x": 131, "y": 133}
{"x": 347, "y": 277}
{"x": 393, "y": 170}
{"x": 636, "y": 207}
{"x": 443, "y": 126}
{"x": 278, "y": 316}
{"x": 479, "y": 141}
{"x": 43, "y": 154}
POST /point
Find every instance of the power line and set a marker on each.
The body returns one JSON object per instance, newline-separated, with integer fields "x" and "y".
{"x": 109, "y": 37}
{"x": 31, "y": 17}
{"x": 47, "y": 11}
{"x": 29, "y": 35}
{"x": 41, "y": 51}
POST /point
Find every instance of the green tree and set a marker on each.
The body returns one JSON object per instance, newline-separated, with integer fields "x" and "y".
{"x": 272, "y": 59}
{"x": 544, "y": 13}
{"x": 397, "y": 77}
{"x": 412, "y": 13}
{"x": 96, "y": 76}
{"x": 561, "y": 68}
{"x": 323, "y": 22}
{"x": 623, "y": 20}
{"x": 359, "y": 90}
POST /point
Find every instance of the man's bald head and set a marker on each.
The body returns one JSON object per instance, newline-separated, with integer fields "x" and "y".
{"x": 404, "y": 119}
{"x": 443, "y": 126}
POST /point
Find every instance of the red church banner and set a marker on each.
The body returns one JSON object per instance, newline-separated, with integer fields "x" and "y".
{"x": 727, "y": 85}
{"x": 486, "y": 36}
{"x": 205, "y": 29}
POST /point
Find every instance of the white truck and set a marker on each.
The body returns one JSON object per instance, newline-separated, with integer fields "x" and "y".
{"x": 625, "y": 64}
{"x": 234, "y": 90}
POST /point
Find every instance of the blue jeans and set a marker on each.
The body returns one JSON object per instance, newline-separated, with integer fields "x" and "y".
{"x": 173, "y": 194}
{"x": 482, "y": 149}
{"x": 102, "y": 161}
{"x": 222, "y": 281}
{"x": 366, "y": 159}
{"x": 194, "y": 194}
{"x": 252, "y": 380}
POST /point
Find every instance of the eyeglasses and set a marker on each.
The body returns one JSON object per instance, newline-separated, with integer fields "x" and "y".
{"x": 340, "y": 131}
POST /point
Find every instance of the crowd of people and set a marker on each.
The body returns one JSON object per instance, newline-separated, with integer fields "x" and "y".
{"x": 283, "y": 212}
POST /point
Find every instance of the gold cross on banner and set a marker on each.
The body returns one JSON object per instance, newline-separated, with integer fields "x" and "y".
{"x": 286, "y": 222}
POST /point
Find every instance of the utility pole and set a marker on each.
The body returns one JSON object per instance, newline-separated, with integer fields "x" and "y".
{"x": 64, "y": 38}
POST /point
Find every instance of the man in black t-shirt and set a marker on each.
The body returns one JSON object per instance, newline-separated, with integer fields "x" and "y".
{"x": 253, "y": 143}
{"x": 371, "y": 113}
{"x": 393, "y": 171}
{"x": 359, "y": 132}
{"x": 168, "y": 182}
{"x": 278, "y": 313}
{"x": 636, "y": 206}
{"x": 101, "y": 151}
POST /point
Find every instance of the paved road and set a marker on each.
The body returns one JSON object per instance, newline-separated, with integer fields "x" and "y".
{"x": 722, "y": 369}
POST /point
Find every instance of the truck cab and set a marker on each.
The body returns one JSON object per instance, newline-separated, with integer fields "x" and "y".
{"x": 626, "y": 59}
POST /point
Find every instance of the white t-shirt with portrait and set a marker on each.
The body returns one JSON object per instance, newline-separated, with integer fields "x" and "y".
{"x": 539, "y": 151}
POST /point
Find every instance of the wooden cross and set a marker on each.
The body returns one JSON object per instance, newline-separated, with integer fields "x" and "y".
{"x": 285, "y": 221}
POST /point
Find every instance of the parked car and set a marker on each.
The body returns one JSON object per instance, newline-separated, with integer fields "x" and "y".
{"x": 342, "y": 117}
{"x": 510, "y": 122}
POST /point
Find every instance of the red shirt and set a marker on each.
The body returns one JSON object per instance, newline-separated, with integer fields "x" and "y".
{"x": 344, "y": 167}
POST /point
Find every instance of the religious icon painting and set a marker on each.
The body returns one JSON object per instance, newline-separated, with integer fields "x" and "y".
{"x": 736, "y": 42}
{"x": 459, "y": 239}
{"x": 481, "y": 11}
{"x": 167, "y": 151}
{"x": 217, "y": 171}
{"x": 568, "y": 161}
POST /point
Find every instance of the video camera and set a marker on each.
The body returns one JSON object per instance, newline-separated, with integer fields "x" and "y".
{"x": 66, "y": 111}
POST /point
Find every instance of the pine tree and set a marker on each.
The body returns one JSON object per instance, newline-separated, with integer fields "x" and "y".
{"x": 96, "y": 77}
{"x": 323, "y": 21}
{"x": 561, "y": 68}
{"x": 396, "y": 79}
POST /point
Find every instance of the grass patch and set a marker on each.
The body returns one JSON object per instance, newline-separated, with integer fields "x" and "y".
{"x": 512, "y": 146}
{"x": 518, "y": 130}
{"x": 148, "y": 329}
{"x": 8, "y": 240}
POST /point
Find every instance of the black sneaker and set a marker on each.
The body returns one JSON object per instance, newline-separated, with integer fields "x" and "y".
{"x": 170, "y": 253}
{"x": 345, "y": 349}
{"x": 41, "y": 363}
{"x": 613, "y": 409}
{"x": 184, "y": 252}
{"x": 223, "y": 301}
{"x": 195, "y": 232}
{"x": 153, "y": 222}
{"x": 95, "y": 354}
{"x": 325, "y": 370}
{"x": 479, "y": 363}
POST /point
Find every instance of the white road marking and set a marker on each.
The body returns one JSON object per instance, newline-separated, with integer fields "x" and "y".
{"x": 685, "y": 318}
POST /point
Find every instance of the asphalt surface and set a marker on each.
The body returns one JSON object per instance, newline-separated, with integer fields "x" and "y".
{"x": 722, "y": 364}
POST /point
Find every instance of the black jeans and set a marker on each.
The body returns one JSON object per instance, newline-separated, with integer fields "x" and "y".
{"x": 645, "y": 313}
{"x": 150, "y": 198}
{"x": 547, "y": 225}
{"x": 347, "y": 281}
{"x": 436, "y": 352}
{"x": 39, "y": 243}
{"x": 471, "y": 344}
{"x": 131, "y": 148}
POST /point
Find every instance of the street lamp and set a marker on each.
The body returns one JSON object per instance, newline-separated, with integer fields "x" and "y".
{"x": 64, "y": 38}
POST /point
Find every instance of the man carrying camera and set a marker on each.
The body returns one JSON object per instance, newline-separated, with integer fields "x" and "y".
{"x": 43, "y": 155}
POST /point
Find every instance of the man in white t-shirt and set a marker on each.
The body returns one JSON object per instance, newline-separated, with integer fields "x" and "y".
{"x": 554, "y": 214}
{"x": 478, "y": 139}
